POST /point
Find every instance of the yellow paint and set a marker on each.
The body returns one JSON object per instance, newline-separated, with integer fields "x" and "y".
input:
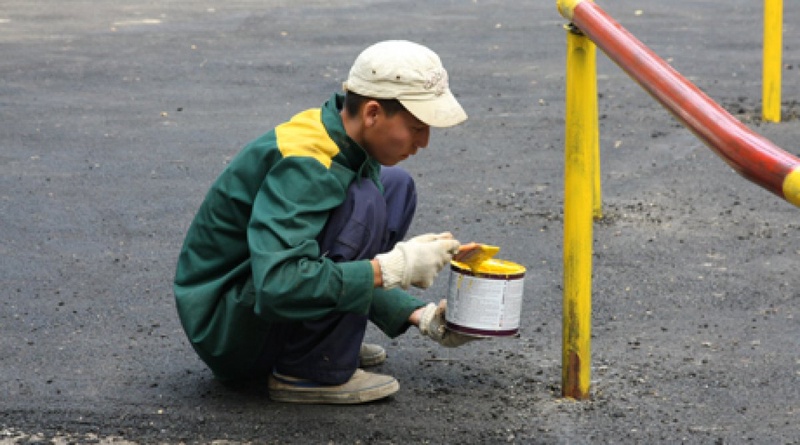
{"x": 567, "y": 7}
{"x": 597, "y": 195}
{"x": 771, "y": 86}
{"x": 581, "y": 141}
{"x": 494, "y": 266}
{"x": 791, "y": 186}
{"x": 474, "y": 256}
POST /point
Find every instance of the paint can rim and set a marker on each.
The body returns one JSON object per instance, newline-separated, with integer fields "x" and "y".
{"x": 491, "y": 268}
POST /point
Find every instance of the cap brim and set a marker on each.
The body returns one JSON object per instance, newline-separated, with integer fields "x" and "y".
{"x": 444, "y": 111}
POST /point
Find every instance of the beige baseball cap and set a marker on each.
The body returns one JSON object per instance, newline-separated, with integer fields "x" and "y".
{"x": 410, "y": 73}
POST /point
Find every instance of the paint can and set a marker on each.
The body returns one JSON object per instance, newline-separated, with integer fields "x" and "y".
{"x": 485, "y": 301}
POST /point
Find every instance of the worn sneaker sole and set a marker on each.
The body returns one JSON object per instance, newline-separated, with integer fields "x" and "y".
{"x": 286, "y": 391}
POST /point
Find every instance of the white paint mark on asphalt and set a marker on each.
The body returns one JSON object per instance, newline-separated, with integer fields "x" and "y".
{"x": 138, "y": 22}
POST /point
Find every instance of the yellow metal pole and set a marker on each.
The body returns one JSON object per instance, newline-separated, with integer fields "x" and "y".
{"x": 771, "y": 86}
{"x": 579, "y": 198}
{"x": 597, "y": 208}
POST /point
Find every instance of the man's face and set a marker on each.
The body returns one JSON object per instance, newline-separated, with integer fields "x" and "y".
{"x": 393, "y": 139}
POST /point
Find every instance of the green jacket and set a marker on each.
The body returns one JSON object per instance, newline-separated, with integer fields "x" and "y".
{"x": 250, "y": 257}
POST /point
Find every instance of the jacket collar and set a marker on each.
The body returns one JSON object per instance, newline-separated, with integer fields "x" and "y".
{"x": 351, "y": 154}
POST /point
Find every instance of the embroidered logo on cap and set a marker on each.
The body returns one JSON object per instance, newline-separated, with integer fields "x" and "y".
{"x": 437, "y": 81}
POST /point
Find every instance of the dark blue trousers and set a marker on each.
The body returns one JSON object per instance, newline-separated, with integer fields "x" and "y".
{"x": 367, "y": 223}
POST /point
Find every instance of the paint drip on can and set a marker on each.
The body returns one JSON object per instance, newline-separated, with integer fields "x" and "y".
{"x": 485, "y": 300}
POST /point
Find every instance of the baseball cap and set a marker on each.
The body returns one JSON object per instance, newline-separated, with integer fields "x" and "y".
{"x": 410, "y": 73}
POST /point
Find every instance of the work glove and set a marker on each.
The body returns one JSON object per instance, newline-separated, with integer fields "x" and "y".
{"x": 417, "y": 261}
{"x": 432, "y": 324}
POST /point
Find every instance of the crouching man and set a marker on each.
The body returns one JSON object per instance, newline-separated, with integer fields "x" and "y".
{"x": 299, "y": 242}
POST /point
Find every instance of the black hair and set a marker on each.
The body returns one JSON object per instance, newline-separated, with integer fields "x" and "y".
{"x": 353, "y": 102}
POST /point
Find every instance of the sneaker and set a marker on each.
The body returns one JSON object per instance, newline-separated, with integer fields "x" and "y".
{"x": 361, "y": 388}
{"x": 371, "y": 355}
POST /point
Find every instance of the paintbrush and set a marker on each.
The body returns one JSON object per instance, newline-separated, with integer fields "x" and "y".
{"x": 473, "y": 254}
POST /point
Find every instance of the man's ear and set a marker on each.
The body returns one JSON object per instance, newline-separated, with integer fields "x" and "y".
{"x": 370, "y": 112}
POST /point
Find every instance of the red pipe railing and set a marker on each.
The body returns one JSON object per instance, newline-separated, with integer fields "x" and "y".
{"x": 748, "y": 153}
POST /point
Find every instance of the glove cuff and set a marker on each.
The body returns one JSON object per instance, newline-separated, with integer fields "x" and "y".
{"x": 428, "y": 325}
{"x": 393, "y": 266}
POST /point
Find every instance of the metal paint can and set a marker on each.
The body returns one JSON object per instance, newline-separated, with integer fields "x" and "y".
{"x": 485, "y": 301}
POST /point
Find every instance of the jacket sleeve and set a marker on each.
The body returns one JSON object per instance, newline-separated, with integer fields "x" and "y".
{"x": 391, "y": 308}
{"x": 291, "y": 279}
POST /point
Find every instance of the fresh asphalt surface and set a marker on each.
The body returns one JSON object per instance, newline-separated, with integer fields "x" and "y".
{"x": 115, "y": 117}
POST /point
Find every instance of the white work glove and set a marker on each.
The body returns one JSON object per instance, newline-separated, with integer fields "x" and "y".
{"x": 432, "y": 324}
{"x": 417, "y": 261}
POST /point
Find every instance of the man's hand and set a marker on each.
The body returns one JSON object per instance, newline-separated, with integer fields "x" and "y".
{"x": 417, "y": 261}
{"x": 432, "y": 324}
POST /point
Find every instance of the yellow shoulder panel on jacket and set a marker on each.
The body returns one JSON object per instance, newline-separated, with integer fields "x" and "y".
{"x": 305, "y": 135}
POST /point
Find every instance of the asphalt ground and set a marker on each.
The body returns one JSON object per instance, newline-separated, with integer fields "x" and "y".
{"x": 116, "y": 116}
